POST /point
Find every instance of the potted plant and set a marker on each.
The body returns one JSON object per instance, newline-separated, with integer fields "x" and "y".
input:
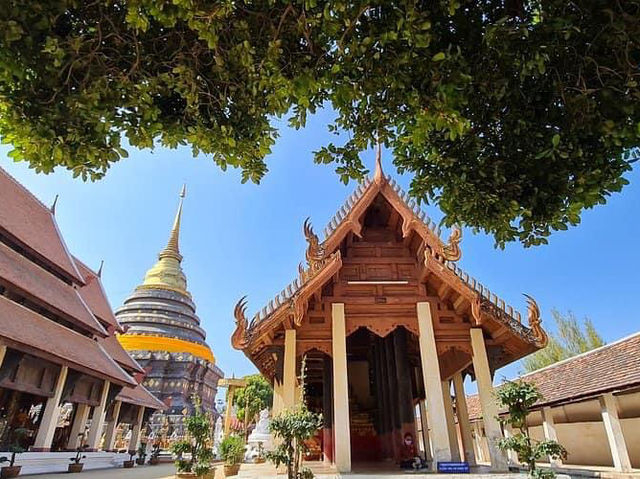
{"x": 154, "y": 458}
{"x": 232, "y": 452}
{"x": 76, "y": 465}
{"x": 260, "y": 459}
{"x": 142, "y": 454}
{"x": 15, "y": 448}
{"x": 518, "y": 397}
{"x": 197, "y": 444}
{"x": 129, "y": 464}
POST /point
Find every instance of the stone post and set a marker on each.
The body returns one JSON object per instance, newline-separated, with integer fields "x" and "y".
{"x": 327, "y": 411}
{"x": 617, "y": 443}
{"x": 134, "y": 443}
{"x": 3, "y": 352}
{"x": 549, "y": 428}
{"x": 487, "y": 400}
{"x": 437, "y": 418}
{"x": 97, "y": 419}
{"x": 463, "y": 419}
{"x": 277, "y": 398}
{"x": 511, "y": 455}
{"x": 112, "y": 425}
{"x": 477, "y": 429}
{"x": 49, "y": 420}
{"x": 289, "y": 379}
{"x": 78, "y": 426}
{"x": 341, "y": 424}
{"x": 451, "y": 423}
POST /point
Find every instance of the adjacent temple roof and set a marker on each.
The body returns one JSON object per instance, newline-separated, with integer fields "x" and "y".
{"x": 323, "y": 259}
{"x": 52, "y": 305}
{"x": 609, "y": 368}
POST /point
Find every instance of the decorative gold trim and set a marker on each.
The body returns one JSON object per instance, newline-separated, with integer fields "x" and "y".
{"x": 134, "y": 342}
{"x": 533, "y": 316}
{"x": 452, "y": 251}
{"x": 240, "y": 337}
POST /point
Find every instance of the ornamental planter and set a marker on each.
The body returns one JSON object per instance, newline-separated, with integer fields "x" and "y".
{"x": 231, "y": 470}
{"x": 259, "y": 460}
{"x": 154, "y": 460}
{"x": 75, "y": 467}
{"x": 186, "y": 475}
{"x": 140, "y": 461}
{"x": 127, "y": 464}
{"x": 7, "y": 472}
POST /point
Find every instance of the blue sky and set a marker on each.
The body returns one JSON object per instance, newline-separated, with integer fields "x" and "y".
{"x": 247, "y": 239}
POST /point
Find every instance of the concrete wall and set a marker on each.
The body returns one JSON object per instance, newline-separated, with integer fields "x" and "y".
{"x": 581, "y": 431}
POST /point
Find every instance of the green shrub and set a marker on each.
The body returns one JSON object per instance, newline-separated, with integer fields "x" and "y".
{"x": 232, "y": 450}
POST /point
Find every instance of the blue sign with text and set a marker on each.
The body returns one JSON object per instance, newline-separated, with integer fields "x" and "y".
{"x": 453, "y": 467}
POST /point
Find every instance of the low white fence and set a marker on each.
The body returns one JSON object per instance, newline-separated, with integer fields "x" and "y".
{"x": 45, "y": 462}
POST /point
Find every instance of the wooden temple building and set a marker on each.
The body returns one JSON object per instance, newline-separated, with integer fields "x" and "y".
{"x": 389, "y": 327}
{"x": 64, "y": 377}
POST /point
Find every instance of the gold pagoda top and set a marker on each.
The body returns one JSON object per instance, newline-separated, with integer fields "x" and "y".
{"x": 167, "y": 272}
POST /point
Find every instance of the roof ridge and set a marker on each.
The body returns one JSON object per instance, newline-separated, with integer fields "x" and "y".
{"x": 19, "y": 184}
{"x": 581, "y": 355}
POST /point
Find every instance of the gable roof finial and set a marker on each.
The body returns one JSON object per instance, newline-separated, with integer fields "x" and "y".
{"x": 378, "y": 176}
{"x": 99, "y": 273}
{"x": 53, "y": 205}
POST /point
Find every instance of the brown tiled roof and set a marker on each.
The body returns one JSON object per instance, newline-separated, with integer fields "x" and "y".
{"x": 45, "y": 289}
{"x": 93, "y": 294}
{"x": 26, "y": 330}
{"x": 140, "y": 396}
{"x": 112, "y": 346}
{"x": 612, "y": 367}
{"x": 24, "y": 219}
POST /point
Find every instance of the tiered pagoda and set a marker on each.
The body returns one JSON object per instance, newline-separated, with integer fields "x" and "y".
{"x": 389, "y": 326}
{"x": 64, "y": 378}
{"x": 164, "y": 335}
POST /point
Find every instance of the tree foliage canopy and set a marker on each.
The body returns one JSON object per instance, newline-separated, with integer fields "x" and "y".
{"x": 514, "y": 115}
{"x": 254, "y": 397}
{"x": 570, "y": 339}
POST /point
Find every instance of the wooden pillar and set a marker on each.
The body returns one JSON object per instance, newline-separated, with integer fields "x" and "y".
{"x": 112, "y": 425}
{"x": 479, "y": 441}
{"x": 425, "y": 430}
{"x": 451, "y": 423}
{"x": 387, "y": 419}
{"x": 341, "y": 424}
{"x": 512, "y": 457}
{"x": 406, "y": 415}
{"x": 289, "y": 372}
{"x": 487, "y": 401}
{"x": 549, "y": 428}
{"x": 617, "y": 443}
{"x": 3, "y": 352}
{"x": 395, "y": 437}
{"x": 277, "y": 398}
{"x": 327, "y": 410}
{"x": 437, "y": 418}
{"x": 463, "y": 419}
{"x": 49, "y": 420}
{"x": 97, "y": 419}
{"x": 134, "y": 443}
{"x": 78, "y": 426}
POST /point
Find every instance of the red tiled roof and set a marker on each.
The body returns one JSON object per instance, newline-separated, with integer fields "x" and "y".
{"x": 112, "y": 346}
{"x": 24, "y": 219}
{"x": 140, "y": 396}
{"x": 612, "y": 367}
{"x": 26, "y": 330}
{"x": 93, "y": 294}
{"x": 44, "y": 288}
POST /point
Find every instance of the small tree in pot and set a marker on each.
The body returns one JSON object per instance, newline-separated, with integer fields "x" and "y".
{"x": 518, "y": 397}
{"x": 142, "y": 454}
{"x": 129, "y": 464}
{"x": 154, "y": 458}
{"x": 197, "y": 444}
{"x": 232, "y": 453}
{"x": 15, "y": 448}
{"x": 76, "y": 464}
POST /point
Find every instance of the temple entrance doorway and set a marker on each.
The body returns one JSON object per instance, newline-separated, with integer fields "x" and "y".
{"x": 384, "y": 378}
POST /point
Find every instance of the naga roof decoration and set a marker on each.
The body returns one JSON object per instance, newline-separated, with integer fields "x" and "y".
{"x": 434, "y": 253}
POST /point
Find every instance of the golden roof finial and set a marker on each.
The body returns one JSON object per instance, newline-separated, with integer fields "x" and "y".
{"x": 173, "y": 246}
{"x": 167, "y": 272}
{"x": 378, "y": 176}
